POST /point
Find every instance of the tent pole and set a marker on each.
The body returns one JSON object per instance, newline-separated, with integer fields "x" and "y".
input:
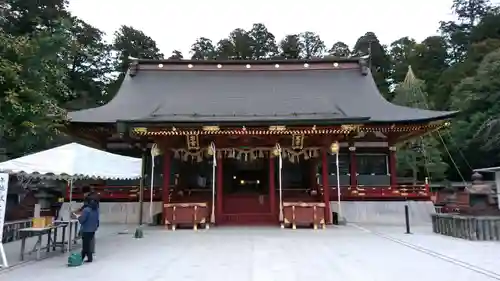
{"x": 70, "y": 183}
{"x": 280, "y": 182}
{"x": 214, "y": 165}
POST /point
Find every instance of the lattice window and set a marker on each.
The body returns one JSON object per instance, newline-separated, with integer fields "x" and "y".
{"x": 372, "y": 164}
{"x": 344, "y": 163}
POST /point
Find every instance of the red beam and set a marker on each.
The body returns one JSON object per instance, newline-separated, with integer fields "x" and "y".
{"x": 401, "y": 192}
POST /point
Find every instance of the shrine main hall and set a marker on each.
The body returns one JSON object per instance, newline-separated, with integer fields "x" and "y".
{"x": 256, "y": 142}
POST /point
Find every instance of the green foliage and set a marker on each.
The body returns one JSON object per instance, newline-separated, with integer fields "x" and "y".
{"x": 263, "y": 42}
{"x": 130, "y": 42}
{"x": 403, "y": 54}
{"x": 380, "y": 62}
{"x": 90, "y": 65}
{"x": 203, "y": 49}
{"x": 420, "y": 157}
{"x": 291, "y": 47}
{"x": 51, "y": 61}
{"x": 176, "y": 55}
{"x": 32, "y": 79}
{"x": 478, "y": 97}
{"x": 339, "y": 50}
{"x": 312, "y": 45}
{"x": 23, "y": 17}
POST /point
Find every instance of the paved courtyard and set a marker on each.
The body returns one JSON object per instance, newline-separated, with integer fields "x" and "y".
{"x": 269, "y": 254}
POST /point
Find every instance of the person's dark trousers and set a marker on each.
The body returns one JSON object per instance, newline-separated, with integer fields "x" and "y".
{"x": 92, "y": 245}
{"x": 87, "y": 238}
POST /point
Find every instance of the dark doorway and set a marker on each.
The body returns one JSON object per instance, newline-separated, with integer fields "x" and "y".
{"x": 246, "y": 186}
{"x": 247, "y": 177}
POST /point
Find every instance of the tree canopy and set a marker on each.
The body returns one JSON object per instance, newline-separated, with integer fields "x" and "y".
{"x": 52, "y": 61}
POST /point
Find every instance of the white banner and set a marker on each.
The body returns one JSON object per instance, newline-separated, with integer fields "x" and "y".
{"x": 4, "y": 186}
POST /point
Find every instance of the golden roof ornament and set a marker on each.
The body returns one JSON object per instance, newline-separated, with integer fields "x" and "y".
{"x": 350, "y": 127}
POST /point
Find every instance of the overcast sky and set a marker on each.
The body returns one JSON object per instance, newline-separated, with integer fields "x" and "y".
{"x": 176, "y": 24}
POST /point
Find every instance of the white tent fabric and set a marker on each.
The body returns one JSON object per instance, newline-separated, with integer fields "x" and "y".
{"x": 75, "y": 161}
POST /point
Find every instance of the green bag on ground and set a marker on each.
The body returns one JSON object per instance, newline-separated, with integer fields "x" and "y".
{"x": 75, "y": 259}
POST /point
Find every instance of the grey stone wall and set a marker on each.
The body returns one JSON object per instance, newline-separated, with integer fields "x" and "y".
{"x": 385, "y": 212}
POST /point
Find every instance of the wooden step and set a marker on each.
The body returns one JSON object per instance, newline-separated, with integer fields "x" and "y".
{"x": 248, "y": 219}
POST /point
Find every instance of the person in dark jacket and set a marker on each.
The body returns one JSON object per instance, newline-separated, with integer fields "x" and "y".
{"x": 89, "y": 220}
{"x": 90, "y": 195}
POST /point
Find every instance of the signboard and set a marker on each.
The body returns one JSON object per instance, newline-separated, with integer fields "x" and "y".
{"x": 4, "y": 186}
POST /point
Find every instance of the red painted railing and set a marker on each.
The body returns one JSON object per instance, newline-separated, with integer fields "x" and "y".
{"x": 400, "y": 192}
{"x": 119, "y": 193}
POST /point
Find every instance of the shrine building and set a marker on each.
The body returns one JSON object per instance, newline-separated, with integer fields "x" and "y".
{"x": 274, "y": 129}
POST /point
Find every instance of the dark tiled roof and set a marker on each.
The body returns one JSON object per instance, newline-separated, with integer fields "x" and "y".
{"x": 252, "y": 96}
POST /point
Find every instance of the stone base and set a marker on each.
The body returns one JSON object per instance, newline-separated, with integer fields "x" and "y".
{"x": 385, "y": 212}
{"x": 342, "y": 221}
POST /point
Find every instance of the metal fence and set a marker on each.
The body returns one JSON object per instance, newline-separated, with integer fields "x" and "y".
{"x": 11, "y": 229}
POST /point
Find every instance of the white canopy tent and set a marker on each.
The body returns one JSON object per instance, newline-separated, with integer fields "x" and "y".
{"x": 74, "y": 161}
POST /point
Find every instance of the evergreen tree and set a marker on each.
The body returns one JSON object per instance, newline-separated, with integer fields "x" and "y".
{"x": 420, "y": 157}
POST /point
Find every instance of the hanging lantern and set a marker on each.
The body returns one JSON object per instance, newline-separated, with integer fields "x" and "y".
{"x": 155, "y": 150}
{"x": 334, "y": 147}
{"x": 277, "y": 150}
{"x": 211, "y": 149}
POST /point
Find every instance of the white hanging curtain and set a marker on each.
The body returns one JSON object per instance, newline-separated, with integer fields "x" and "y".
{"x": 155, "y": 151}
{"x": 212, "y": 151}
{"x": 278, "y": 153}
{"x": 335, "y": 149}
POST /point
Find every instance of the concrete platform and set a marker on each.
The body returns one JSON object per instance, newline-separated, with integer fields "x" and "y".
{"x": 273, "y": 254}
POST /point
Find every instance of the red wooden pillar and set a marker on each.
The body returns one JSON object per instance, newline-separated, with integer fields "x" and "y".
{"x": 272, "y": 186}
{"x": 392, "y": 167}
{"x": 68, "y": 192}
{"x": 219, "y": 192}
{"x": 167, "y": 159}
{"x": 326, "y": 185}
{"x": 353, "y": 167}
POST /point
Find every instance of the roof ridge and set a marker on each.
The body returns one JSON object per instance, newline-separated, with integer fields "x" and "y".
{"x": 243, "y": 62}
{"x": 249, "y": 115}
